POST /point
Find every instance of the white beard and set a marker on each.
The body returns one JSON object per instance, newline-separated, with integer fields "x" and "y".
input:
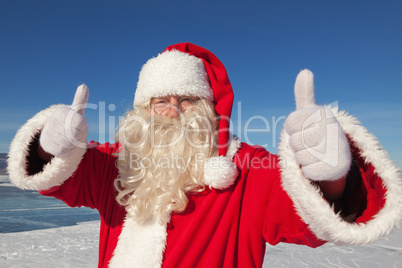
{"x": 162, "y": 161}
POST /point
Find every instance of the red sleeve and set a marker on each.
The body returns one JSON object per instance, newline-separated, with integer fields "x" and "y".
{"x": 92, "y": 182}
{"x": 287, "y": 221}
{"x": 370, "y": 207}
{"x": 297, "y": 212}
{"x": 268, "y": 204}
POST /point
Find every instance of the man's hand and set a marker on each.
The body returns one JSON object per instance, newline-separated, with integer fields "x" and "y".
{"x": 317, "y": 139}
{"x": 66, "y": 127}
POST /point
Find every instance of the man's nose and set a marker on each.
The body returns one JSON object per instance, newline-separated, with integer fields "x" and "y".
{"x": 173, "y": 110}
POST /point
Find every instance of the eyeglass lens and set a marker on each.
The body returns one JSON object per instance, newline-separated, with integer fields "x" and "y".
{"x": 165, "y": 106}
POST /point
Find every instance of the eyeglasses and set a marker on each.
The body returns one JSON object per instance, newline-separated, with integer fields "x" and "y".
{"x": 162, "y": 107}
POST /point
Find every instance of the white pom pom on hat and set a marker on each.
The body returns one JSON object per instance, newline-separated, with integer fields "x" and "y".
{"x": 186, "y": 69}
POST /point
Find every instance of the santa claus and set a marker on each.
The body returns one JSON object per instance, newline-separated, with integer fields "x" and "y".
{"x": 177, "y": 189}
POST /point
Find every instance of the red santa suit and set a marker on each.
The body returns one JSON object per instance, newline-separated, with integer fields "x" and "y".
{"x": 261, "y": 198}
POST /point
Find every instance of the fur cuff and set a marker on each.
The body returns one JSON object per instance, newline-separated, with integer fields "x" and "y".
{"x": 55, "y": 172}
{"x": 319, "y": 215}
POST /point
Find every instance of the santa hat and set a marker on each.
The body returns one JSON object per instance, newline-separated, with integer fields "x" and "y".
{"x": 189, "y": 70}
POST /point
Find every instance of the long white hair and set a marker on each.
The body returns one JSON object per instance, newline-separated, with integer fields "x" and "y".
{"x": 162, "y": 159}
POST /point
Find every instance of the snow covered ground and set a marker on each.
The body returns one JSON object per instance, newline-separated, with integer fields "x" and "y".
{"x": 77, "y": 246}
{"x": 386, "y": 253}
{"x": 72, "y": 246}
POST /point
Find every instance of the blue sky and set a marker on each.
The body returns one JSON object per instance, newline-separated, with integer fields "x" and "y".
{"x": 48, "y": 48}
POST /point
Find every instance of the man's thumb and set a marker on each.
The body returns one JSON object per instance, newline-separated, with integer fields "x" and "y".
{"x": 80, "y": 99}
{"x": 304, "y": 90}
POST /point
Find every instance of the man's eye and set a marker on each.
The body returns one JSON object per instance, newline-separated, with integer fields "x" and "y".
{"x": 186, "y": 101}
{"x": 161, "y": 102}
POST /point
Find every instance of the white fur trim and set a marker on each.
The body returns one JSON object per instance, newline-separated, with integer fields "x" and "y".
{"x": 140, "y": 245}
{"x": 220, "y": 172}
{"x": 144, "y": 245}
{"x": 173, "y": 73}
{"x": 319, "y": 215}
{"x": 55, "y": 172}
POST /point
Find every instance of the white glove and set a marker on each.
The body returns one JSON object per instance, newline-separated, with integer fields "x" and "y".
{"x": 317, "y": 139}
{"x": 66, "y": 128}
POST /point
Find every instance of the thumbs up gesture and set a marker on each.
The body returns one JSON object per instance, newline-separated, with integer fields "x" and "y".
{"x": 66, "y": 127}
{"x": 318, "y": 141}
